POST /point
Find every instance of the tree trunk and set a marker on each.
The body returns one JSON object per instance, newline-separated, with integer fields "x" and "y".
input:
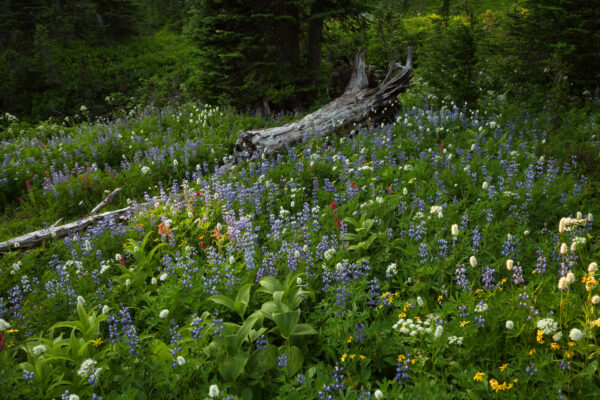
{"x": 351, "y": 107}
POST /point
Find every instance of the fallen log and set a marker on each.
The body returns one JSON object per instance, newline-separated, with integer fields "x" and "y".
{"x": 353, "y": 106}
{"x": 34, "y": 239}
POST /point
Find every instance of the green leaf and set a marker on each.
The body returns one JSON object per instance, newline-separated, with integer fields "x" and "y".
{"x": 294, "y": 358}
{"x": 161, "y": 350}
{"x": 303, "y": 329}
{"x": 270, "y": 285}
{"x": 223, "y": 300}
{"x": 232, "y": 367}
{"x": 286, "y": 322}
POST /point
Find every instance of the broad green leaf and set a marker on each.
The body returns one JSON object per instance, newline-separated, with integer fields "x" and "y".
{"x": 303, "y": 329}
{"x": 270, "y": 285}
{"x": 232, "y": 367}
{"x": 294, "y": 358}
{"x": 286, "y": 322}
{"x": 223, "y": 300}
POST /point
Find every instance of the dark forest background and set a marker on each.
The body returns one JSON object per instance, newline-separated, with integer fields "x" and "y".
{"x": 285, "y": 55}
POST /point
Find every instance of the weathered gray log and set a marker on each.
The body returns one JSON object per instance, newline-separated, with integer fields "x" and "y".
{"x": 34, "y": 239}
{"x": 351, "y": 107}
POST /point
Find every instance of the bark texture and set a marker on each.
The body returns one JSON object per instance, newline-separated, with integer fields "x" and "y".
{"x": 351, "y": 107}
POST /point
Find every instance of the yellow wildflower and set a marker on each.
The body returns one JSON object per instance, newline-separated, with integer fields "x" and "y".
{"x": 479, "y": 377}
{"x": 402, "y": 315}
{"x": 362, "y": 357}
{"x": 540, "y": 335}
{"x": 349, "y": 339}
{"x": 344, "y": 357}
{"x": 531, "y": 352}
{"x": 12, "y": 331}
{"x": 352, "y": 355}
{"x": 571, "y": 344}
{"x": 503, "y": 367}
{"x": 97, "y": 342}
{"x": 464, "y": 323}
{"x": 554, "y": 346}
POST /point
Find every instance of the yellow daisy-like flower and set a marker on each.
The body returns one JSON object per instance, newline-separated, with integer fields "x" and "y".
{"x": 352, "y": 355}
{"x": 401, "y": 357}
{"x": 97, "y": 342}
{"x": 343, "y": 358}
{"x": 362, "y": 357}
{"x": 571, "y": 344}
{"x": 554, "y": 346}
{"x": 531, "y": 352}
{"x": 402, "y": 315}
{"x": 464, "y": 323}
{"x": 479, "y": 377}
{"x": 569, "y": 354}
{"x": 12, "y": 331}
{"x": 349, "y": 339}
{"x": 440, "y": 297}
{"x": 503, "y": 367}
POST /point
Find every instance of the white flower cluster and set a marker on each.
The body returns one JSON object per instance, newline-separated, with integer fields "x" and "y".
{"x": 88, "y": 367}
{"x": 481, "y": 307}
{"x": 412, "y": 328}
{"x": 15, "y": 268}
{"x": 437, "y": 210}
{"x": 568, "y": 224}
{"x": 391, "y": 270}
{"x": 39, "y": 349}
{"x": 455, "y": 339}
{"x": 329, "y": 254}
{"x": 4, "y": 325}
{"x": 575, "y": 335}
{"x": 547, "y": 325}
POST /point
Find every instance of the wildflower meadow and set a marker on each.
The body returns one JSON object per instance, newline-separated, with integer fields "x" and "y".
{"x": 445, "y": 253}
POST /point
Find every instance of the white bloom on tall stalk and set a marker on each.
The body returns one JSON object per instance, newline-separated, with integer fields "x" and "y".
{"x": 473, "y": 261}
{"x": 419, "y": 301}
{"x": 573, "y": 247}
{"x": 592, "y": 267}
{"x": 579, "y": 215}
{"x": 575, "y": 335}
{"x": 557, "y": 336}
{"x": 298, "y": 281}
{"x": 180, "y": 360}
{"x": 175, "y": 162}
{"x": 145, "y": 170}
{"x": 564, "y": 249}
{"x": 213, "y": 391}
{"x": 379, "y": 199}
{"x": 127, "y": 282}
{"x": 405, "y": 191}
{"x": 570, "y": 277}
{"x": 510, "y": 324}
{"x": 438, "y": 331}
{"x": 164, "y": 313}
{"x": 103, "y": 268}
{"x": 563, "y": 283}
{"x": 485, "y": 185}
{"x": 80, "y": 301}
{"x": 378, "y": 394}
{"x": 510, "y": 264}
{"x": 73, "y": 397}
{"x": 105, "y": 310}
{"x": 454, "y": 230}
{"x": 39, "y": 349}
{"x": 595, "y": 299}
{"x": 3, "y": 325}
{"x": 118, "y": 257}
{"x": 153, "y": 281}
{"x": 590, "y": 217}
